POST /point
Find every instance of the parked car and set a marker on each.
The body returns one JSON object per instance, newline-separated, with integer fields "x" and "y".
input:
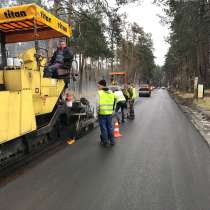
{"x": 144, "y": 90}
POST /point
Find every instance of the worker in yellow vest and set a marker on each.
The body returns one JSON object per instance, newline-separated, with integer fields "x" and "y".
{"x": 133, "y": 95}
{"x": 106, "y": 105}
{"x": 120, "y": 104}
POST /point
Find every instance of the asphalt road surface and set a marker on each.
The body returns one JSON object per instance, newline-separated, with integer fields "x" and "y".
{"x": 160, "y": 163}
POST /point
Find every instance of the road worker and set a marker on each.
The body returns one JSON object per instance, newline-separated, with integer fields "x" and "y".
{"x": 120, "y": 104}
{"x": 62, "y": 58}
{"x": 134, "y": 95}
{"x": 105, "y": 108}
{"x": 127, "y": 96}
{"x": 131, "y": 101}
{"x": 125, "y": 92}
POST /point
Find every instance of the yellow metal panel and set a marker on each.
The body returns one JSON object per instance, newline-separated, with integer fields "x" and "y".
{"x": 37, "y": 104}
{"x": 17, "y": 79}
{"x": 53, "y": 22}
{"x": 30, "y": 11}
{"x": 53, "y": 91}
{"x": 44, "y": 105}
{"x": 28, "y": 122}
{"x": 14, "y": 115}
{"x": 4, "y": 101}
{"x": 60, "y": 86}
{"x": 10, "y": 14}
{"x": 28, "y": 55}
{"x": 50, "y": 91}
{"x": 49, "y": 104}
{"x": 48, "y": 82}
{"x": 35, "y": 83}
{"x": 51, "y": 87}
{"x": 45, "y": 91}
{"x": 25, "y": 79}
{"x": 12, "y": 79}
{"x": 1, "y": 77}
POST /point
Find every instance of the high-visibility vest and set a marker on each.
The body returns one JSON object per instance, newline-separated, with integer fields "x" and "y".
{"x": 126, "y": 93}
{"x": 130, "y": 92}
{"x": 106, "y": 102}
{"x": 119, "y": 96}
{"x": 134, "y": 93}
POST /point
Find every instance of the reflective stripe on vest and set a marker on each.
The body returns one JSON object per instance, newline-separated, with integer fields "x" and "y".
{"x": 134, "y": 93}
{"x": 106, "y": 102}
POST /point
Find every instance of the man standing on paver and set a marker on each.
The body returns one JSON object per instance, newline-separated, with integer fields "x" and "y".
{"x": 106, "y": 105}
{"x": 62, "y": 58}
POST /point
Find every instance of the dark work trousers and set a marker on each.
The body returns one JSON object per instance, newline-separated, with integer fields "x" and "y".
{"x": 121, "y": 105}
{"x": 131, "y": 109}
{"x": 51, "y": 71}
{"x": 106, "y": 127}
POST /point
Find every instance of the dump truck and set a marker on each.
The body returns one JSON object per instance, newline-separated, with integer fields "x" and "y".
{"x": 33, "y": 110}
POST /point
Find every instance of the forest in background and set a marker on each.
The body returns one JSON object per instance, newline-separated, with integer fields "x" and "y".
{"x": 189, "y": 53}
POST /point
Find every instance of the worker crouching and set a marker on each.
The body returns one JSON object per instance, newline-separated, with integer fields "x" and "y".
{"x": 106, "y": 105}
{"x": 120, "y": 104}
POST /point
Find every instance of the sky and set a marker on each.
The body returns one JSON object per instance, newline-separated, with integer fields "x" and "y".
{"x": 146, "y": 16}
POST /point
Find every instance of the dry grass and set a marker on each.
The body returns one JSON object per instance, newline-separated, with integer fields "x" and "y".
{"x": 189, "y": 98}
{"x": 207, "y": 91}
{"x": 184, "y": 95}
{"x": 203, "y": 103}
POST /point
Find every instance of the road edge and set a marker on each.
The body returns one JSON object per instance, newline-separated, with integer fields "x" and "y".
{"x": 190, "y": 113}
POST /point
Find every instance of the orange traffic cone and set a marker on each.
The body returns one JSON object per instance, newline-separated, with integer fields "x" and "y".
{"x": 117, "y": 130}
{"x": 71, "y": 141}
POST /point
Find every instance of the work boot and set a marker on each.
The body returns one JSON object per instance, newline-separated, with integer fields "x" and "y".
{"x": 112, "y": 143}
{"x": 104, "y": 144}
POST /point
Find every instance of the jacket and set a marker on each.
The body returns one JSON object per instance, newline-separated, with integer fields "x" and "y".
{"x": 68, "y": 57}
{"x": 119, "y": 96}
{"x": 106, "y": 102}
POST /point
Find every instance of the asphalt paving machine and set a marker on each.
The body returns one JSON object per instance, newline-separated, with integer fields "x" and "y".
{"x": 33, "y": 109}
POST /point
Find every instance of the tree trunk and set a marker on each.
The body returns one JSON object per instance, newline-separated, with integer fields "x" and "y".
{"x": 81, "y": 70}
{"x": 112, "y": 48}
{"x": 51, "y": 42}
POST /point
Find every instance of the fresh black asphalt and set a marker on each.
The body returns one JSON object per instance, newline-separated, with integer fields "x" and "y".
{"x": 160, "y": 163}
